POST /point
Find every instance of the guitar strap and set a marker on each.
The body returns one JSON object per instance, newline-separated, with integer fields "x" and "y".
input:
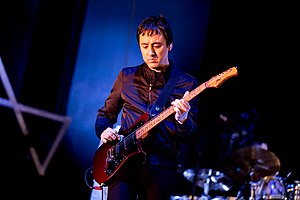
{"x": 157, "y": 108}
{"x": 164, "y": 96}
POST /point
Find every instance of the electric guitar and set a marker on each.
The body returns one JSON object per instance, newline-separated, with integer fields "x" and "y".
{"x": 111, "y": 160}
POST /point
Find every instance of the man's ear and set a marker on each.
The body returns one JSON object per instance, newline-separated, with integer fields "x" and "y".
{"x": 170, "y": 47}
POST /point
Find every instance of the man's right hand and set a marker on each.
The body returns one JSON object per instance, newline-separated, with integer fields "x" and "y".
{"x": 109, "y": 134}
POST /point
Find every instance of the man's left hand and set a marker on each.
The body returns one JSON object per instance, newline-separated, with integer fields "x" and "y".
{"x": 182, "y": 108}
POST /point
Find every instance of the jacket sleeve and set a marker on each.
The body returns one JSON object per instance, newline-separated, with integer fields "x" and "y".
{"x": 108, "y": 114}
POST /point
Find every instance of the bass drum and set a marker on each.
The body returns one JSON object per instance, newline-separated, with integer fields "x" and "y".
{"x": 270, "y": 187}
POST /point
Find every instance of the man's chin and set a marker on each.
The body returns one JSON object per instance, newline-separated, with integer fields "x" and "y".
{"x": 153, "y": 65}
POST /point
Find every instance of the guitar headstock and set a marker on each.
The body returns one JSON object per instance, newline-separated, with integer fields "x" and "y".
{"x": 217, "y": 80}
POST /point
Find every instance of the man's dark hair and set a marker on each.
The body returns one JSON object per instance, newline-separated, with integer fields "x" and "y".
{"x": 155, "y": 25}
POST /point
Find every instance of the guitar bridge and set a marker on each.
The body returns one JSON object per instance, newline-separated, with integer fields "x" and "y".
{"x": 113, "y": 161}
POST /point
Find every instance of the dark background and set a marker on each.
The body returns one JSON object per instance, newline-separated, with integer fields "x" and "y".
{"x": 39, "y": 43}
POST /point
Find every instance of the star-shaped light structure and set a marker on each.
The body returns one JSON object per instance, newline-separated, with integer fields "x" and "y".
{"x": 19, "y": 108}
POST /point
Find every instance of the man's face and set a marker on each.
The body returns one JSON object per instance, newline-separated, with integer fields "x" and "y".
{"x": 154, "y": 51}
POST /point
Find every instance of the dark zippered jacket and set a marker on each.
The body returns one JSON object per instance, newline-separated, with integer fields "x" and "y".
{"x": 133, "y": 94}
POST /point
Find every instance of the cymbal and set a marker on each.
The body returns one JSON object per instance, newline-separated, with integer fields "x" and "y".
{"x": 252, "y": 163}
{"x": 214, "y": 180}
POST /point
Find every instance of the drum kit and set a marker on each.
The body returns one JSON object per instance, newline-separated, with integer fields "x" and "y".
{"x": 254, "y": 168}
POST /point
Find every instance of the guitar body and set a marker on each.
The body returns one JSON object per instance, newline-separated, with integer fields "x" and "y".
{"x": 111, "y": 161}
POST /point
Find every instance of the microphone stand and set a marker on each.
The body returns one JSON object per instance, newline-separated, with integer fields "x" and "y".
{"x": 196, "y": 176}
{"x": 199, "y": 150}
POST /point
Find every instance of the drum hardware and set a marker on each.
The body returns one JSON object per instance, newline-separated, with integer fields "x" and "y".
{"x": 297, "y": 190}
{"x": 185, "y": 197}
{"x": 240, "y": 194}
{"x": 209, "y": 179}
{"x": 253, "y": 191}
{"x": 206, "y": 178}
{"x": 293, "y": 191}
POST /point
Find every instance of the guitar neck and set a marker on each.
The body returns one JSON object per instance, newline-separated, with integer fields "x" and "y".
{"x": 215, "y": 81}
{"x": 142, "y": 132}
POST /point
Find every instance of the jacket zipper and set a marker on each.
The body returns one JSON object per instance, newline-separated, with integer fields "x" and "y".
{"x": 150, "y": 88}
